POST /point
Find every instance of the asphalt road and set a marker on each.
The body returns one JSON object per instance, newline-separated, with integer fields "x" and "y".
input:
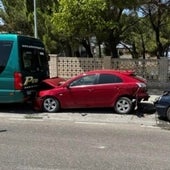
{"x": 83, "y": 139}
{"x": 37, "y": 144}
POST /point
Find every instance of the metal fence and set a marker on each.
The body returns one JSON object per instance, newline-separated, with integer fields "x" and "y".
{"x": 156, "y": 71}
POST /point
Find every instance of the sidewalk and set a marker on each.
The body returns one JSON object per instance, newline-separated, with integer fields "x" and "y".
{"x": 155, "y": 91}
{"x": 90, "y": 116}
{"x": 87, "y": 118}
{"x": 104, "y": 116}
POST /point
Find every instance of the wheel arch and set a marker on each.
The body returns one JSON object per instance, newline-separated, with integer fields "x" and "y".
{"x": 125, "y": 95}
{"x": 168, "y": 113}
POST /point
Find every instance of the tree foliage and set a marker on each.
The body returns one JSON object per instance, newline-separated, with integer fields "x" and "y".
{"x": 65, "y": 25}
{"x": 15, "y": 17}
{"x": 158, "y": 12}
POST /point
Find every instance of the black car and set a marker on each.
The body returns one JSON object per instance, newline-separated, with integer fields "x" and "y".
{"x": 162, "y": 105}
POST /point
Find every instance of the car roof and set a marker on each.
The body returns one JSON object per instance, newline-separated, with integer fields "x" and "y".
{"x": 56, "y": 80}
{"x": 104, "y": 71}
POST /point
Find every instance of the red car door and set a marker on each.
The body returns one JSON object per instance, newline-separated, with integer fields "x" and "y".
{"x": 105, "y": 95}
{"x": 107, "y": 90}
{"x": 82, "y": 96}
{"x": 81, "y": 91}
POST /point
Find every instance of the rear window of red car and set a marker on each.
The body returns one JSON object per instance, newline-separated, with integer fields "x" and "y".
{"x": 109, "y": 78}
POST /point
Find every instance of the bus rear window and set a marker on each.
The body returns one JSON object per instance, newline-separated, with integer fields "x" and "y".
{"x": 34, "y": 59}
{"x": 5, "y": 51}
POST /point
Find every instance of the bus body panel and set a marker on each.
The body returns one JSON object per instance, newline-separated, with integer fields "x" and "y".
{"x": 16, "y": 55}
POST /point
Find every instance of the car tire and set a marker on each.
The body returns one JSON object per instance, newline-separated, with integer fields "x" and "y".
{"x": 123, "y": 105}
{"x": 50, "y": 104}
{"x": 168, "y": 114}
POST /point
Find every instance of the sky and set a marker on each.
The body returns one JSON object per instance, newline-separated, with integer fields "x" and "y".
{"x": 1, "y": 8}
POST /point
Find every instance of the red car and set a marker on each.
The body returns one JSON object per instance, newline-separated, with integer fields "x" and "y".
{"x": 99, "y": 88}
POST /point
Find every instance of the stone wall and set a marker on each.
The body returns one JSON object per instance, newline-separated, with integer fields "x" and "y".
{"x": 156, "y": 71}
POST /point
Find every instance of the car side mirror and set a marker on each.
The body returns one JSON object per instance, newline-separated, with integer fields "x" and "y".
{"x": 68, "y": 86}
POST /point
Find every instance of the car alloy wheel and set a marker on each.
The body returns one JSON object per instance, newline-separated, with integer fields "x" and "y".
{"x": 123, "y": 105}
{"x": 50, "y": 104}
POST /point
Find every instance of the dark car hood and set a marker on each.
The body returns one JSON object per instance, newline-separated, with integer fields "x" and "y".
{"x": 54, "y": 82}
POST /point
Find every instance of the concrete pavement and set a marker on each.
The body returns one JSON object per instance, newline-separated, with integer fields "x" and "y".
{"x": 148, "y": 117}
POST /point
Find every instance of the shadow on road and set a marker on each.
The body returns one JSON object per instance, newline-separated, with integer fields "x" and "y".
{"x": 163, "y": 123}
{"x": 144, "y": 109}
{"x": 27, "y": 108}
{"x": 3, "y": 131}
{"x": 17, "y": 108}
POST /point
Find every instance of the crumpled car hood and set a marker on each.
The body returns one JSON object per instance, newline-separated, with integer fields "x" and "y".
{"x": 54, "y": 82}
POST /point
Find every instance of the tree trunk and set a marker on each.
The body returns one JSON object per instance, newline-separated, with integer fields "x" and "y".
{"x": 143, "y": 47}
{"x": 160, "y": 50}
{"x": 113, "y": 43}
{"x": 100, "y": 54}
{"x": 68, "y": 50}
{"x": 134, "y": 51}
{"x": 86, "y": 45}
{"x": 114, "y": 52}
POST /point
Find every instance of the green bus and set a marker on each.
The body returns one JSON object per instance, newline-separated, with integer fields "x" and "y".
{"x": 23, "y": 65}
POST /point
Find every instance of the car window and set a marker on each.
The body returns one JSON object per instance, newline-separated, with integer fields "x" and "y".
{"x": 5, "y": 51}
{"x": 86, "y": 80}
{"x": 33, "y": 58}
{"x": 109, "y": 78}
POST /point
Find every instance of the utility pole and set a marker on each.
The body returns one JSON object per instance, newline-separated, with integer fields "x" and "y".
{"x": 35, "y": 20}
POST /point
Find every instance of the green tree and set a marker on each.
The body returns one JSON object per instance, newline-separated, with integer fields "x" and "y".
{"x": 15, "y": 17}
{"x": 65, "y": 24}
{"x": 141, "y": 37}
{"x": 44, "y": 10}
{"x": 76, "y": 21}
{"x": 106, "y": 20}
{"x": 158, "y": 12}
{"x": 19, "y": 16}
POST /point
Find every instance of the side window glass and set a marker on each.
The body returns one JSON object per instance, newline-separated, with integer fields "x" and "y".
{"x": 5, "y": 51}
{"x": 109, "y": 78}
{"x": 86, "y": 80}
{"x": 27, "y": 55}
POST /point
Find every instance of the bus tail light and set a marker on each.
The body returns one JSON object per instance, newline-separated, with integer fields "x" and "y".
{"x": 17, "y": 81}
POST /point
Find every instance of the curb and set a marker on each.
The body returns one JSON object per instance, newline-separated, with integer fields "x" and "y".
{"x": 86, "y": 116}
